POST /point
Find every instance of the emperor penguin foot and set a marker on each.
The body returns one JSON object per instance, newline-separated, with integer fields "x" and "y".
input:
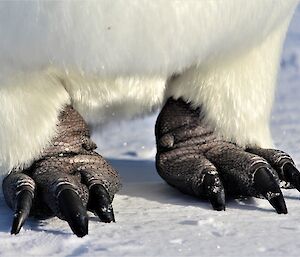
{"x": 67, "y": 180}
{"x": 191, "y": 158}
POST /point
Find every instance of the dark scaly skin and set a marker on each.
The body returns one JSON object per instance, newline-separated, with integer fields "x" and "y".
{"x": 191, "y": 158}
{"x": 70, "y": 162}
{"x": 70, "y": 177}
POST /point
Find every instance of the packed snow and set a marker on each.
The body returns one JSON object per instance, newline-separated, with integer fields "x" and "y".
{"x": 154, "y": 219}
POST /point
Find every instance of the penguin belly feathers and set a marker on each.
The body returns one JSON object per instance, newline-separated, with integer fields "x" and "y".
{"x": 125, "y": 58}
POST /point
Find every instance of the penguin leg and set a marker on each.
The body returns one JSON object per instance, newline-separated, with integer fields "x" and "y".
{"x": 68, "y": 179}
{"x": 193, "y": 159}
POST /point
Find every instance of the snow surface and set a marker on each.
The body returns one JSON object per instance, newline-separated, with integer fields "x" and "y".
{"x": 154, "y": 219}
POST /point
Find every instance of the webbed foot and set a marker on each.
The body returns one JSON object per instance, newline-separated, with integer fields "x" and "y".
{"x": 193, "y": 159}
{"x": 67, "y": 180}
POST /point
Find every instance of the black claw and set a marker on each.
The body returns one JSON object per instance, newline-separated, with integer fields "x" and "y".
{"x": 22, "y": 210}
{"x": 73, "y": 212}
{"x": 279, "y": 204}
{"x": 266, "y": 184}
{"x": 292, "y": 175}
{"x": 214, "y": 191}
{"x": 100, "y": 203}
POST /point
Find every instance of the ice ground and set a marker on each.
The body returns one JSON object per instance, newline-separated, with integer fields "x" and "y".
{"x": 155, "y": 220}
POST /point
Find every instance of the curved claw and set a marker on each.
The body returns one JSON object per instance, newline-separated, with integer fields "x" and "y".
{"x": 100, "y": 203}
{"x": 266, "y": 184}
{"x": 291, "y": 174}
{"x": 73, "y": 211}
{"x": 214, "y": 191}
{"x": 22, "y": 210}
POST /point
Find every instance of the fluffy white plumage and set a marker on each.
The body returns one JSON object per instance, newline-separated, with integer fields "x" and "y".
{"x": 114, "y": 59}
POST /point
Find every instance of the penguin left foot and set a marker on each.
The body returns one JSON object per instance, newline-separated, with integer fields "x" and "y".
{"x": 191, "y": 158}
{"x": 67, "y": 180}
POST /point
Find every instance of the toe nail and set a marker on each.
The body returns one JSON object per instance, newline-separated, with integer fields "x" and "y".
{"x": 279, "y": 204}
{"x": 73, "y": 212}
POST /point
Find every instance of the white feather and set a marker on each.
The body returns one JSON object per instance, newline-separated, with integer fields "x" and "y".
{"x": 114, "y": 58}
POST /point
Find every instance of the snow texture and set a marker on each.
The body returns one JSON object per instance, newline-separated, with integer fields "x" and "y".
{"x": 154, "y": 219}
